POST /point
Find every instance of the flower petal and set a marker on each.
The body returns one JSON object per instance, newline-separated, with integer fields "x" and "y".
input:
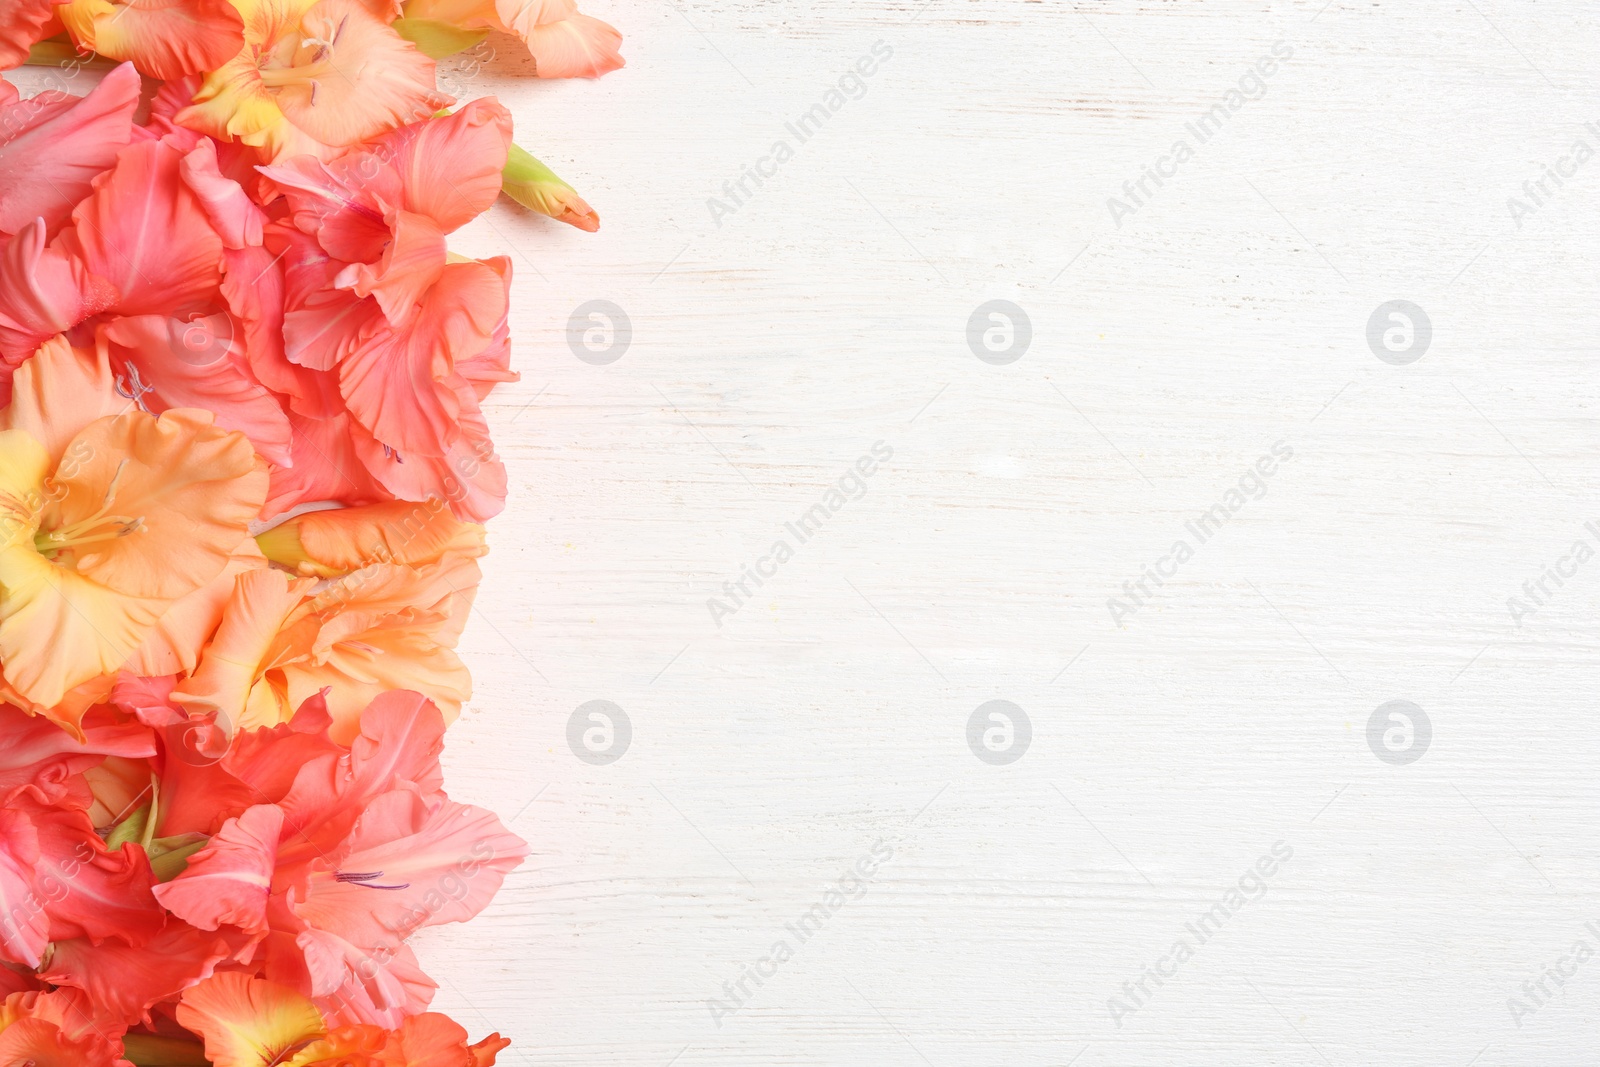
{"x": 248, "y": 1022}
{"x": 575, "y": 47}
{"x": 227, "y": 881}
{"x": 164, "y": 38}
{"x": 54, "y": 145}
{"x": 193, "y": 488}
{"x": 365, "y": 81}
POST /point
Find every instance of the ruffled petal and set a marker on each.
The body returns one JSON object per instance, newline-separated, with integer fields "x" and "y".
{"x": 364, "y": 80}
{"x": 227, "y": 882}
{"x": 58, "y": 392}
{"x": 163, "y": 38}
{"x": 146, "y": 233}
{"x": 52, "y": 146}
{"x": 190, "y": 489}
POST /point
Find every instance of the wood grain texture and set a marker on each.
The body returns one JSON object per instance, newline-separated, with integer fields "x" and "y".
{"x": 1227, "y": 314}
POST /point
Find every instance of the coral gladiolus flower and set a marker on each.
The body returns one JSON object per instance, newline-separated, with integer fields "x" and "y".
{"x": 564, "y": 43}
{"x": 312, "y": 77}
{"x": 251, "y": 1022}
{"x": 102, "y": 529}
{"x": 375, "y": 302}
{"x": 163, "y": 38}
{"x": 359, "y": 853}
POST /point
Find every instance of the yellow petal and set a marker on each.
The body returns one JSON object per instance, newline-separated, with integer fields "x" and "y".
{"x": 226, "y": 680}
{"x": 249, "y": 1022}
{"x": 57, "y": 629}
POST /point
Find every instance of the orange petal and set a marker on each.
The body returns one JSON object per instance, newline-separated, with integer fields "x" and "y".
{"x": 341, "y": 540}
{"x": 174, "y": 643}
{"x": 233, "y": 663}
{"x": 191, "y": 488}
{"x": 576, "y": 47}
{"x": 58, "y": 392}
{"x": 387, "y": 627}
{"x": 249, "y": 1022}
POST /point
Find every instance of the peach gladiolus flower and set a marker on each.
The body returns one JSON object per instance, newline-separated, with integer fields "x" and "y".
{"x": 105, "y": 521}
{"x": 386, "y": 626}
{"x": 564, "y": 42}
{"x": 313, "y": 76}
{"x": 251, "y": 1022}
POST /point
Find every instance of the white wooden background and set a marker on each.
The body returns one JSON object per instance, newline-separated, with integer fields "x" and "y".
{"x": 830, "y": 312}
{"x": 1228, "y": 314}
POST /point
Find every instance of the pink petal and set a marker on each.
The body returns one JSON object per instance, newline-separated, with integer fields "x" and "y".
{"x": 23, "y": 937}
{"x": 44, "y": 291}
{"x": 197, "y": 362}
{"x": 233, "y": 215}
{"x": 227, "y": 881}
{"x": 146, "y": 233}
{"x": 52, "y": 146}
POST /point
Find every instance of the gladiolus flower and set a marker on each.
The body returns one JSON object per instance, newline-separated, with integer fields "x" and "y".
{"x": 312, "y": 77}
{"x": 386, "y": 626}
{"x": 251, "y": 1022}
{"x": 102, "y": 529}
{"x": 163, "y": 38}
{"x": 564, "y": 43}
{"x": 360, "y": 853}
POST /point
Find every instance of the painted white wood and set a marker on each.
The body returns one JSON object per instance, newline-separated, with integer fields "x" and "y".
{"x": 1225, "y": 315}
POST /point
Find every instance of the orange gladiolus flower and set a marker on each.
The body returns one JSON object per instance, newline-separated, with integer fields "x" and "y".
{"x": 386, "y": 626}
{"x": 251, "y": 1022}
